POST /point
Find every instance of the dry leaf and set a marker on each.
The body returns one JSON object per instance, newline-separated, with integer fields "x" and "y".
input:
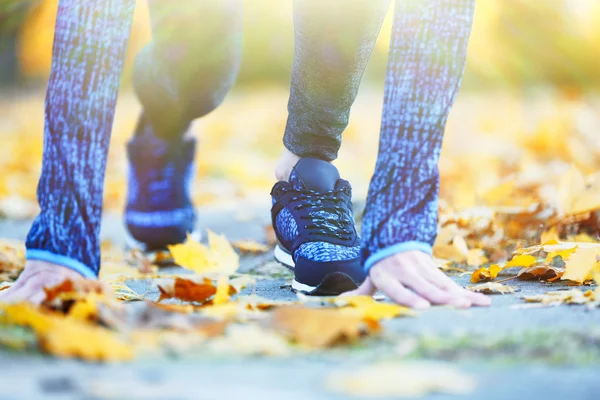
{"x": 250, "y": 246}
{"x": 581, "y": 265}
{"x": 186, "y": 289}
{"x": 374, "y": 310}
{"x": 66, "y": 337}
{"x": 401, "y": 380}
{"x": 540, "y": 272}
{"x": 573, "y": 296}
{"x": 319, "y": 327}
{"x": 492, "y": 288}
{"x": 486, "y": 274}
{"x": 522, "y": 260}
{"x": 218, "y": 257}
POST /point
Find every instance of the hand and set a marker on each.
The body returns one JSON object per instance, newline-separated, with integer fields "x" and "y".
{"x": 36, "y": 275}
{"x": 411, "y": 278}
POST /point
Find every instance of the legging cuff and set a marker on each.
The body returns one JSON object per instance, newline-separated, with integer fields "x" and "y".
{"x": 71, "y": 263}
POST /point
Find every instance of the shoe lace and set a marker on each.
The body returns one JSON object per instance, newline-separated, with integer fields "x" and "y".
{"x": 327, "y": 214}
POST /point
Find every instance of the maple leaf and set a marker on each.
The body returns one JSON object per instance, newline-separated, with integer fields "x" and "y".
{"x": 218, "y": 257}
{"x": 581, "y": 265}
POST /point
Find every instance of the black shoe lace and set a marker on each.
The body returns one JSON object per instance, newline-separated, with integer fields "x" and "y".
{"x": 327, "y": 214}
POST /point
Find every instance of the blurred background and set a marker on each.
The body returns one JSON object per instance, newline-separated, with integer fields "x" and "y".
{"x": 527, "y": 110}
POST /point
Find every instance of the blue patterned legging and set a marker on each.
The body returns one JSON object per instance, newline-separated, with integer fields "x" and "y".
{"x": 191, "y": 64}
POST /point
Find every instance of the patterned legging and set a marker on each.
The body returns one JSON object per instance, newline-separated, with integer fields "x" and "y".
{"x": 189, "y": 67}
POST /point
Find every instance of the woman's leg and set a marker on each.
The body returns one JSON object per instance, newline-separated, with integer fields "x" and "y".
{"x": 191, "y": 63}
{"x": 333, "y": 42}
{"x": 89, "y": 45}
{"x": 312, "y": 212}
{"x": 183, "y": 74}
{"x": 425, "y": 67}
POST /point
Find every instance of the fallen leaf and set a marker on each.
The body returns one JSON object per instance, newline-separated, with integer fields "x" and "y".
{"x": 581, "y": 265}
{"x": 522, "y": 260}
{"x": 66, "y": 337}
{"x": 486, "y": 274}
{"x": 314, "y": 327}
{"x": 573, "y": 296}
{"x": 250, "y": 246}
{"x": 389, "y": 380}
{"x": 186, "y": 289}
{"x": 492, "y": 288}
{"x": 218, "y": 257}
{"x": 540, "y": 272}
{"x": 374, "y": 310}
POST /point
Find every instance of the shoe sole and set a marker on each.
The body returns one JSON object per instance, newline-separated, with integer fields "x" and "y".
{"x": 333, "y": 284}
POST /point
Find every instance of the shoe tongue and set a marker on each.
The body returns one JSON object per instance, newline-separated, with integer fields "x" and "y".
{"x": 314, "y": 174}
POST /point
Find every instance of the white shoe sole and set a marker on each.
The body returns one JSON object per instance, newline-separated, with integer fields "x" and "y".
{"x": 286, "y": 259}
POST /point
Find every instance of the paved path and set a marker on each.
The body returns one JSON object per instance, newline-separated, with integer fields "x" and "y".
{"x": 545, "y": 353}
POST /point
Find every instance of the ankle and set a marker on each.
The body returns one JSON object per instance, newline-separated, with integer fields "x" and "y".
{"x": 286, "y": 163}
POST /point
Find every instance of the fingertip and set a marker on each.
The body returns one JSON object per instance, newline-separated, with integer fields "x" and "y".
{"x": 421, "y": 304}
{"x": 461, "y": 303}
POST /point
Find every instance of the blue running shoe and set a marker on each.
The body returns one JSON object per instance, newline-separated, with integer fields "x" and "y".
{"x": 159, "y": 211}
{"x": 314, "y": 224}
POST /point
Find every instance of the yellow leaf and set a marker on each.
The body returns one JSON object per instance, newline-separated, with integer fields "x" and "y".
{"x": 486, "y": 274}
{"x": 581, "y": 265}
{"x": 218, "y": 257}
{"x": 564, "y": 254}
{"x": 67, "y": 337}
{"x": 372, "y": 309}
{"x": 88, "y": 342}
{"x": 550, "y": 236}
{"x": 222, "y": 295}
{"x": 523, "y": 260}
{"x": 315, "y": 327}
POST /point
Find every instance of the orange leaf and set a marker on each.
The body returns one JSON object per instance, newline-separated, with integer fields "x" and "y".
{"x": 540, "y": 272}
{"x": 187, "y": 290}
{"x": 486, "y": 274}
